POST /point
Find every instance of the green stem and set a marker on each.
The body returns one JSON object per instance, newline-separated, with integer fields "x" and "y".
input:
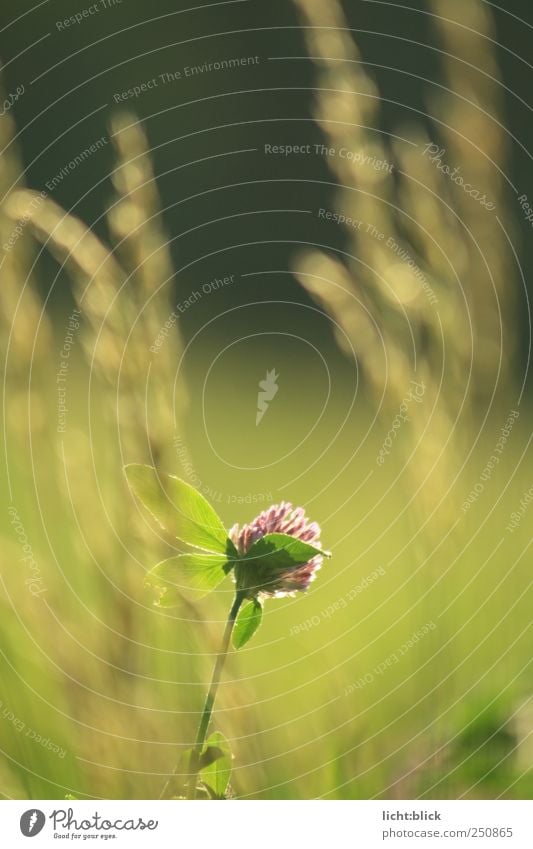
{"x": 211, "y": 696}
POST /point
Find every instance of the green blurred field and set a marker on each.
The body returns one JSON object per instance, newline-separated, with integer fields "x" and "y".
{"x": 91, "y": 666}
{"x": 405, "y": 672}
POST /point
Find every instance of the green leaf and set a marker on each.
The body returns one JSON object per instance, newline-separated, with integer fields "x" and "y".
{"x": 248, "y": 621}
{"x": 217, "y": 755}
{"x": 211, "y": 781}
{"x": 198, "y": 573}
{"x": 282, "y": 551}
{"x": 179, "y": 508}
{"x": 167, "y": 597}
{"x": 210, "y": 755}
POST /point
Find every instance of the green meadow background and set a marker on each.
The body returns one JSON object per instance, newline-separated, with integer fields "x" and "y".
{"x": 117, "y": 685}
{"x": 405, "y": 671}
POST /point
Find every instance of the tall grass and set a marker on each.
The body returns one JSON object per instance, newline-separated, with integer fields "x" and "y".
{"x": 115, "y": 686}
{"x": 426, "y": 287}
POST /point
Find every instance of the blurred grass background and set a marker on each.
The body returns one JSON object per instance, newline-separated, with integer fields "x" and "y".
{"x": 89, "y": 664}
{"x": 118, "y": 684}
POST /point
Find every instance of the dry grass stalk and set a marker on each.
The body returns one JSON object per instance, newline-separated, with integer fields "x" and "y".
{"x": 413, "y": 298}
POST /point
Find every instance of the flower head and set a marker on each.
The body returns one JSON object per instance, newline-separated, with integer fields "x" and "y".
{"x": 276, "y": 575}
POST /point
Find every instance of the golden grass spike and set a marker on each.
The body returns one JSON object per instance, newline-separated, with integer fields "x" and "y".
{"x": 21, "y": 312}
{"x": 414, "y": 269}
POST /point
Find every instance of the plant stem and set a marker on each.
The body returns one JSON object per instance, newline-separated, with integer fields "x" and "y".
{"x": 211, "y": 696}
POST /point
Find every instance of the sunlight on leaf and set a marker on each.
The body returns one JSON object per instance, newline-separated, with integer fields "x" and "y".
{"x": 217, "y": 773}
{"x": 248, "y": 621}
{"x": 283, "y": 551}
{"x": 179, "y": 508}
{"x": 197, "y": 573}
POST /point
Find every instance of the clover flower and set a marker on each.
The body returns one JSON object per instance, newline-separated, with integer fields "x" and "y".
{"x": 274, "y": 575}
{"x": 276, "y": 555}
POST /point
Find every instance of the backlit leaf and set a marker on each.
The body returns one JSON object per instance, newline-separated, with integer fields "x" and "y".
{"x": 179, "y": 508}
{"x": 217, "y": 773}
{"x": 283, "y": 551}
{"x": 197, "y": 573}
{"x": 248, "y": 621}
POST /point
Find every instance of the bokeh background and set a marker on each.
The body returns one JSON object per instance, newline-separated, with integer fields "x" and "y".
{"x": 148, "y": 290}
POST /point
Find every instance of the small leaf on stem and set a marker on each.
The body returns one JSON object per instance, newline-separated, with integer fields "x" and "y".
{"x": 248, "y": 621}
{"x": 217, "y": 755}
